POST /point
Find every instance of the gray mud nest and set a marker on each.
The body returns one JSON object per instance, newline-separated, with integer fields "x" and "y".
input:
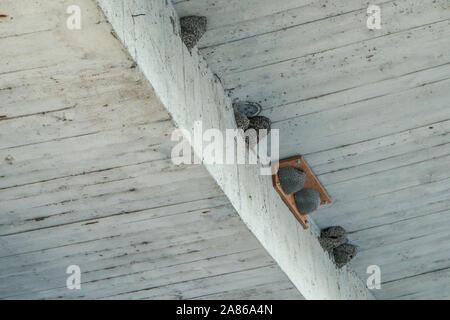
{"x": 242, "y": 121}
{"x": 250, "y": 109}
{"x": 192, "y": 29}
{"x": 335, "y": 242}
{"x": 245, "y": 114}
{"x": 291, "y": 179}
{"x": 343, "y": 254}
{"x": 307, "y": 201}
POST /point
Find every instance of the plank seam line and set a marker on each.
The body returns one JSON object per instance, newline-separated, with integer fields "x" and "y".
{"x": 375, "y": 138}
{"x": 52, "y": 140}
{"x": 444, "y": 211}
{"x": 401, "y": 189}
{"x": 25, "y": 34}
{"x": 81, "y": 173}
{"x": 146, "y": 289}
{"x": 241, "y": 289}
{"x": 417, "y": 275}
{"x": 38, "y": 113}
{"x": 407, "y": 241}
{"x": 357, "y": 87}
{"x": 285, "y": 28}
{"x": 399, "y": 221}
{"x": 28, "y": 69}
{"x": 362, "y": 100}
{"x": 195, "y": 279}
{"x": 383, "y": 159}
{"x": 84, "y": 173}
{"x": 180, "y": 246}
{"x": 133, "y": 125}
{"x": 390, "y": 169}
{"x": 163, "y": 267}
{"x": 100, "y": 218}
{"x": 125, "y": 246}
{"x": 331, "y": 49}
{"x": 136, "y": 241}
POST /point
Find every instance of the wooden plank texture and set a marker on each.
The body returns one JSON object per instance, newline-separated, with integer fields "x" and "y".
{"x": 368, "y": 109}
{"x": 86, "y": 177}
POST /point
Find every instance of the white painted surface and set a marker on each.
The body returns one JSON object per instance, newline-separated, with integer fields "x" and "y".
{"x": 369, "y": 110}
{"x": 86, "y": 178}
{"x": 190, "y": 92}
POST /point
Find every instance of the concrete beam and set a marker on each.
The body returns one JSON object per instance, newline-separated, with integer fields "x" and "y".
{"x": 190, "y": 92}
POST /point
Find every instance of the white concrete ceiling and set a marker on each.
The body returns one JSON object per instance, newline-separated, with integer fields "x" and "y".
{"x": 370, "y": 110}
{"x": 86, "y": 177}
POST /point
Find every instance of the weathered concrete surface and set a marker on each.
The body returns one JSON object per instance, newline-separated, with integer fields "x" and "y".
{"x": 368, "y": 109}
{"x": 86, "y": 177}
{"x": 190, "y": 92}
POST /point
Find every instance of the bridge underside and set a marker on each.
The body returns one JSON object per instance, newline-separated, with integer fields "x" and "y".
{"x": 86, "y": 177}
{"x": 369, "y": 110}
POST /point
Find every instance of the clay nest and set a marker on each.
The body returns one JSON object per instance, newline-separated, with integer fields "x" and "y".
{"x": 192, "y": 29}
{"x": 334, "y": 241}
{"x": 252, "y": 125}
